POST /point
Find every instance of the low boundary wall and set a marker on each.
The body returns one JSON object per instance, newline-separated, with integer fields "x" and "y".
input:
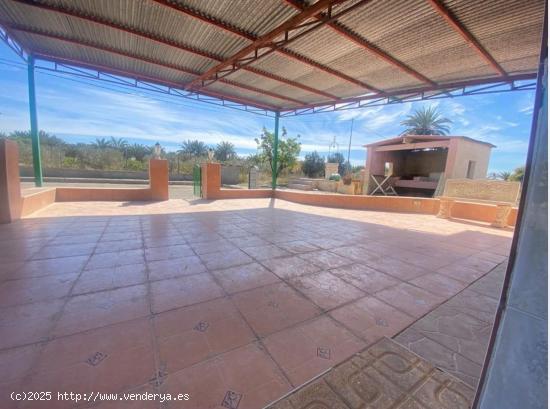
{"x": 14, "y": 205}
{"x": 211, "y": 188}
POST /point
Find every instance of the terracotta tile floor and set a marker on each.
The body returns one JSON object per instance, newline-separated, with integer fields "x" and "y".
{"x": 234, "y": 302}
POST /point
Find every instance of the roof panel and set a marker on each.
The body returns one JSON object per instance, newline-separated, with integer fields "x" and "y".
{"x": 409, "y": 31}
{"x": 348, "y": 57}
{"x": 256, "y": 17}
{"x": 509, "y": 30}
{"x": 94, "y": 57}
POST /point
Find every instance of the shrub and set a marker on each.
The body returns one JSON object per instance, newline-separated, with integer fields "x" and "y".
{"x": 335, "y": 176}
{"x": 313, "y": 165}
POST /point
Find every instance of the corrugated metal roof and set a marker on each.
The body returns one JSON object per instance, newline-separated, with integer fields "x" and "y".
{"x": 380, "y": 45}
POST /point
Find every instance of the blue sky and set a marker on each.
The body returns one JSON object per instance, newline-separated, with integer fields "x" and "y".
{"x": 81, "y": 112}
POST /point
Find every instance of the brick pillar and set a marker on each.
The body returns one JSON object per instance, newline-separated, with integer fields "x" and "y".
{"x": 10, "y": 185}
{"x": 445, "y": 208}
{"x": 158, "y": 179}
{"x": 211, "y": 180}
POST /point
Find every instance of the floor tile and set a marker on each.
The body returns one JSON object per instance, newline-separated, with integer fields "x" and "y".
{"x": 207, "y": 247}
{"x": 298, "y": 246}
{"x": 151, "y": 242}
{"x": 53, "y": 266}
{"x": 34, "y": 289}
{"x": 325, "y": 259}
{"x": 244, "y": 277}
{"x": 95, "y": 310}
{"x": 274, "y": 307}
{"x": 474, "y": 304}
{"x": 461, "y": 273}
{"x": 110, "y": 277}
{"x": 248, "y": 241}
{"x": 410, "y": 299}
{"x": 288, "y": 267}
{"x": 396, "y": 268}
{"x": 308, "y": 349}
{"x": 183, "y": 291}
{"x": 65, "y": 250}
{"x": 168, "y": 252}
{"x": 439, "y": 284}
{"x": 265, "y": 252}
{"x": 191, "y": 334}
{"x": 110, "y": 359}
{"x": 246, "y": 378}
{"x": 15, "y": 363}
{"x": 371, "y": 319}
{"x": 115, "y": 259}
{"x": 364, "y": 277}
{"x": 176, "y": 267}
{"x": 115, "y": 246}
{"x": 28, "y": 323}
{"x": 225, "y": 259}
{"x": 326, "y": 290}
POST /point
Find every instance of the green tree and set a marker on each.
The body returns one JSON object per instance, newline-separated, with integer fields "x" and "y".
{"x": 194, "y": 148}
{"x": 343, "y": 166}
{"x": 288, "y": 151}
{"x": 517, "y": 175}
{"x": 224, "y": 151}
{"x": 426, "y": 121}
{"x": 313, "y": 165}
{"x": 45, "y": 138}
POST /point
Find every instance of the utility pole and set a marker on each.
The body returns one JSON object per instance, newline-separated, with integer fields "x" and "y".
{"x": 349, "y": 145}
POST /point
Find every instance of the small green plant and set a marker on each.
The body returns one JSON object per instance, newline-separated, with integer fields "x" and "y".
{"x": 335, "y": 176}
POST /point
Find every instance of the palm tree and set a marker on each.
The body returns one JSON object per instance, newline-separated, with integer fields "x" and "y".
{"x": 118, "y": 143}
{"x": 504, "y": 175}
{"x": 224, "y": 151}
{"x": 138, "y": 151}
{"x": 193, "y": 148}
{"x": 101, "y": 143}
{"x": 426, "y": 121}
{"x": 518, "y": 174}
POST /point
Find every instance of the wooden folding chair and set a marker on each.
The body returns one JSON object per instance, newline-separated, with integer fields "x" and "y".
{"x": 384, "y": 184}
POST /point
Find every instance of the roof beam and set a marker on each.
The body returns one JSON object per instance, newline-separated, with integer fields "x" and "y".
{"x": 414, "y": 145}
{"x": 352, "y": 36}
{"x": 442, "y": 87}
{"x": 164, "y": 41}
{"x": 251, "y": 37}
{"x": 170, "y": 43}
{"x": 101, "y": 69}
{"x": 449, "y": 17}
{"x": 23, "y": 29}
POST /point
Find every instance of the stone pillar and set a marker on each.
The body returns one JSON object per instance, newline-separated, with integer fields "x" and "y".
{"x": 330, "y": 168}
{"x": 211, "y": 180}
{"x": 445, "y": 208}
{"x": 10, "y": 185}
{"x": 501, "y": 217}
{"x": 253, "y": 177}
{"x": 158, "y": 179}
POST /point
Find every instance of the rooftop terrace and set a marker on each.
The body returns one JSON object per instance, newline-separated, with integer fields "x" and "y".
{"x": 251, "y": 296}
